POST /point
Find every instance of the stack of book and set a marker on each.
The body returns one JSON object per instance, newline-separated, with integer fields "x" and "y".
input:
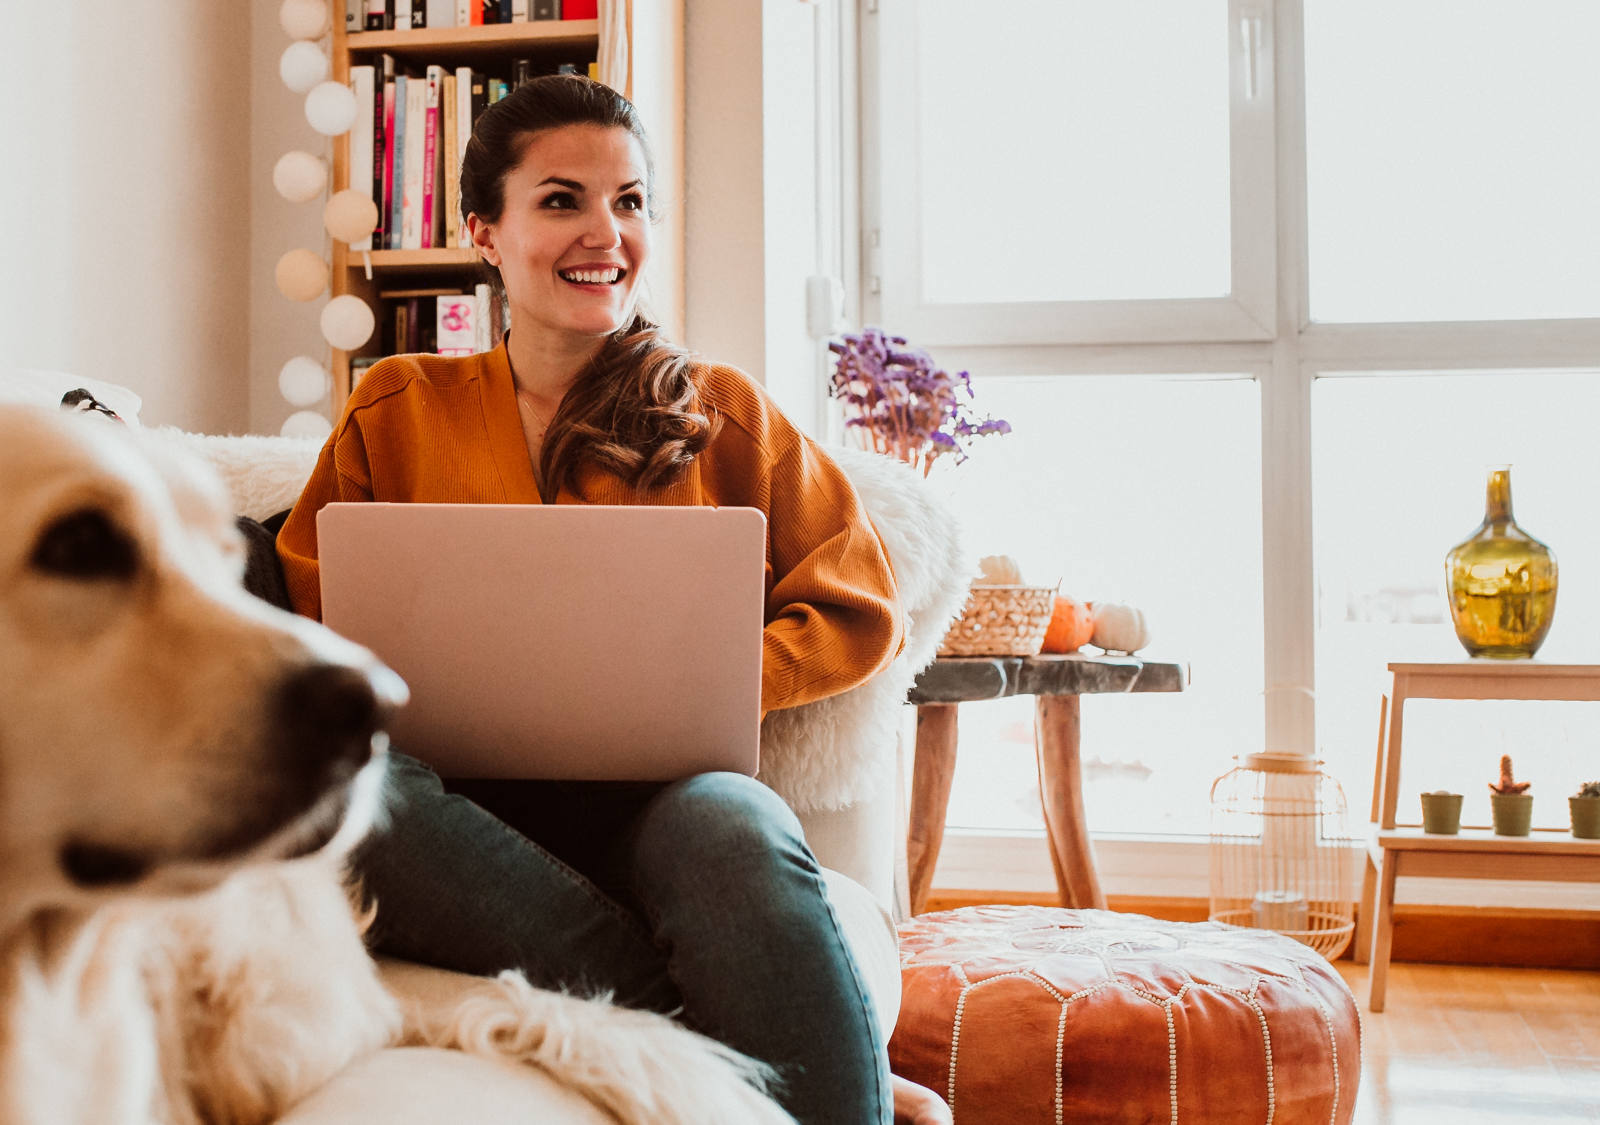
{"x": 400, "y": 15}
{"x": 406, "y": 147}
{"x": 441, "y": 321}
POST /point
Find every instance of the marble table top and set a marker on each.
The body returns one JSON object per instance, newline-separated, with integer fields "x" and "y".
{"x": 959, "y": 679}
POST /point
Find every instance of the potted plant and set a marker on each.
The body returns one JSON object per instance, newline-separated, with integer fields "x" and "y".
{"x": 1512, "y": 804}
{"x": 1441, "y": 812}
{"x": 1585, "y": 808}
{"x": 899, "y": 401}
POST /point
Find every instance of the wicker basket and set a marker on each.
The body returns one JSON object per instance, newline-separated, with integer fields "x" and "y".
{"x": 1001, "y": 621}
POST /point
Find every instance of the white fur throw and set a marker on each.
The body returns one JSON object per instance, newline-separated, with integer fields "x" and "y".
{"x": 818, "y": 756}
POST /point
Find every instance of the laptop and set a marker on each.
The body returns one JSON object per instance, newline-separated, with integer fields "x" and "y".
{"x": 558, "y": 641}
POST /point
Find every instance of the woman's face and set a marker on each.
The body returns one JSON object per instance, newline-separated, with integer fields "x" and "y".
{"x": 574, "y": 236}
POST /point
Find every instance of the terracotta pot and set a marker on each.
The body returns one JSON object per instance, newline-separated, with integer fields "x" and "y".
{"x": 1513, "y": 813}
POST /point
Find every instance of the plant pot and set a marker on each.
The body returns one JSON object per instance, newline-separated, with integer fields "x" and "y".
{"x": 1585, "y": 817}
{"x": 1441, "y": 813}
{"x": 1513, "y": 813}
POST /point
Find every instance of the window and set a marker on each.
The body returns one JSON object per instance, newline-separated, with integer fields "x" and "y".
{"x": 1265, "y": 430}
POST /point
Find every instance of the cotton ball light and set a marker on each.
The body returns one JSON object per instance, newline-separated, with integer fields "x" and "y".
{"x": 303, "y": 381}
{"x": 302, "y": 66}
{"x": 299, "y": 176}
{"x": 350, "y": 215}
{"x": 347, "y": 322}
{"x": 302, "y": 275}
{"x": 304, "y": 19}
{"x": 306, "y": 424}
{"x": 331, "y": 108}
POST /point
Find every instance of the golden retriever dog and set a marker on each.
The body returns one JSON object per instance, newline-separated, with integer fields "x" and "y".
{"x": 182, "y": 770}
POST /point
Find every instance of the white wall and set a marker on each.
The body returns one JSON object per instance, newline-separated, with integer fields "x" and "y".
{"x": 279, "y": 328}
{"x": 124, "y": 251}
{"x": 751, "y": 199}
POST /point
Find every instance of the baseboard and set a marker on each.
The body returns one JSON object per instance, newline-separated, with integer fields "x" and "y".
{"x": 1451, "y": 935}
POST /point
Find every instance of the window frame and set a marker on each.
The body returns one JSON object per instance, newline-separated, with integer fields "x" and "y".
{"x": 1286, "y": 360}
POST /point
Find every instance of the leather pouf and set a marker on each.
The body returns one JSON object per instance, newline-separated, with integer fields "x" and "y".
{"x": 1029, "y": 1014}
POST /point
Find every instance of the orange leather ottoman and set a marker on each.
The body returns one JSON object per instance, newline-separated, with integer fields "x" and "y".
{"x": 1025, "y": 1014}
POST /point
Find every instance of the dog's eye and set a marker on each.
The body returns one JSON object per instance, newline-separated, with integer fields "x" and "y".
{"x": 85, "y": 545}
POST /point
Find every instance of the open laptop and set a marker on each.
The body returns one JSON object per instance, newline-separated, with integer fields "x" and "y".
{"x": 558, "y": 641}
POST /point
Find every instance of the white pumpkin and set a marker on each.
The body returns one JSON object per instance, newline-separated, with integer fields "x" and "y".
{"x": 1119, "y": 628}
{"x": 999, "y": 570}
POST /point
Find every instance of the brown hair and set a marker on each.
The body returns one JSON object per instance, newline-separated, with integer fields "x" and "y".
{"x": 633, "y": 409}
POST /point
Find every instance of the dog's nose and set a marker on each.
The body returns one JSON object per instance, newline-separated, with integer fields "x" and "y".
{"x": 329, "y": 712}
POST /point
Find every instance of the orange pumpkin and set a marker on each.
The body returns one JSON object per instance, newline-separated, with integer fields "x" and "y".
{"x": 1071, "y": 625}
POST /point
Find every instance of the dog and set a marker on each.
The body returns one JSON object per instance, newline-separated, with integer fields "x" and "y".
{"x": 183, "y": 771}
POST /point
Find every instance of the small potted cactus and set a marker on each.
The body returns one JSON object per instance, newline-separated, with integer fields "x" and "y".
{"x": 1511, "y": 803}
{"x": 1441, "y": 812}
{"x": 1585, "y": 808}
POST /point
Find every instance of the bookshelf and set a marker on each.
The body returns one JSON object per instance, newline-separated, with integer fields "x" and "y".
{"x": 654, "y": 62}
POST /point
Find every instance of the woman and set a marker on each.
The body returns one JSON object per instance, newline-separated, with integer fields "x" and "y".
{"x": 699, "y": 895}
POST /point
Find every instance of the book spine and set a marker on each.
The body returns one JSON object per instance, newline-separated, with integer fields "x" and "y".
{"x": 375, "y": 15}
{"x": 415, "y": 142}
{"x": 463, "y": 13}
{"x": 430, "y": 157}
{"x": 355, "y": 15}
{"x": 519, "y": 11}
{"x": 450, "y": 164}
{"x": 464, "y": 80}
{"x": 397, "y": 166}
{"x": 442, "y": 13}
{"x": 362, "y": 140}
{"x": 546, "y": 10}
{"x": 475, "y": 12}
{"x": 480, "y": 94}
{"x": 382, "y": 126}
{"x": 504, "y": 10}
{"x": 402, "y": 15}
{"x": 580, "y": 9}
{"x": 480, "y": 317}
{"x": 419, "y": 13}
{"x": 521, "y": 71}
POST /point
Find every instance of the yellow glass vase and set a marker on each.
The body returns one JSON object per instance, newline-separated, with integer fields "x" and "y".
{"x": 1502, "y": 581}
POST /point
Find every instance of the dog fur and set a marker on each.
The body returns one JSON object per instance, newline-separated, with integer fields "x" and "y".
{"x": 183, "y": 769}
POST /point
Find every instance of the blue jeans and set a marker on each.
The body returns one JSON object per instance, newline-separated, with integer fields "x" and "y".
{"x": 698, "y": 897}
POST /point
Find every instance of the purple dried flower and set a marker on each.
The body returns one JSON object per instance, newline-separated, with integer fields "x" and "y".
{"x": 908, "y": 405}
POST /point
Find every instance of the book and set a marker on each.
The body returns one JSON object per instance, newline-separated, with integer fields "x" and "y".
{"x": 503, "y": 10}
{"x": 464, "y": 80}
{"x": 519, "y": 11}
{"x": 382, "y": 127}
{"x": 463, "y": 12}
{"x": 395, "y": 177}
{"x": 413, "y": 142}
{"x": 480, "y": 94}
{"x": 419, "y": 13}
{"x": 361, "y": 139}
{"x": 546, "y": 9}
{"x": 402, "y": 15}
{"x": 359, "y": 366}
{"x": 441, "y": 13}
{"x": 450, "y": 158}
{"x": 521, "y": 71}
{"x": 580, "y": 9}
{"x": 355, "y": 15}
{"x": 480, "y": 317}
{"x": 455, "y": 328}
{"x": 376, "y": 15}
{"x": 430, "y": 156}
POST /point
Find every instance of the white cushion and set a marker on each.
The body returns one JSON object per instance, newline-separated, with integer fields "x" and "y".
{"x": 44, "y": 388}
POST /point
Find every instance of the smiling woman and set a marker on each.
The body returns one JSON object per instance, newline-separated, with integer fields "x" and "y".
{"x": 701, "y": 895}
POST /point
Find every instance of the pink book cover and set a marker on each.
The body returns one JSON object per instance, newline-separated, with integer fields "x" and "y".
{"x": 430, "y": 154}
{"x": 388, "y": 154}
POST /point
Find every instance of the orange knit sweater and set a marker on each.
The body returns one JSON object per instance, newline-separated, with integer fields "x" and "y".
{"x": 431, "y": 429}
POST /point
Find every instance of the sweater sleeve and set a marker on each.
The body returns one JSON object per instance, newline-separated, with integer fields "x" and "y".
{"x": 341, "y": 474}
{"x": 833, "y": 611}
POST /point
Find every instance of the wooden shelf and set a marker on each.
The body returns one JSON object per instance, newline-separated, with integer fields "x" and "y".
{"x": 439, "y": 258}
{"x": 1542, "y": 841}
{"x": 468, "y": 42}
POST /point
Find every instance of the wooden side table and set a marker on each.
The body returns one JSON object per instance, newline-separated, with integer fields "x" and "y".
{"x": 1056, "y": 682}
{"x": 1394, "y": 849}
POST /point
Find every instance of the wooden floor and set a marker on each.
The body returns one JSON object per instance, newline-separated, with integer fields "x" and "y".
{"x": 1461, "y": 1045}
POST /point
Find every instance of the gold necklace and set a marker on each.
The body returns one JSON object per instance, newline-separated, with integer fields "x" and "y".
{"x": 526, "y": 402}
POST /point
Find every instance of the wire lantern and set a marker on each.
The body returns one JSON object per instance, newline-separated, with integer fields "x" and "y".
{"x": 1282, "y": 857}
